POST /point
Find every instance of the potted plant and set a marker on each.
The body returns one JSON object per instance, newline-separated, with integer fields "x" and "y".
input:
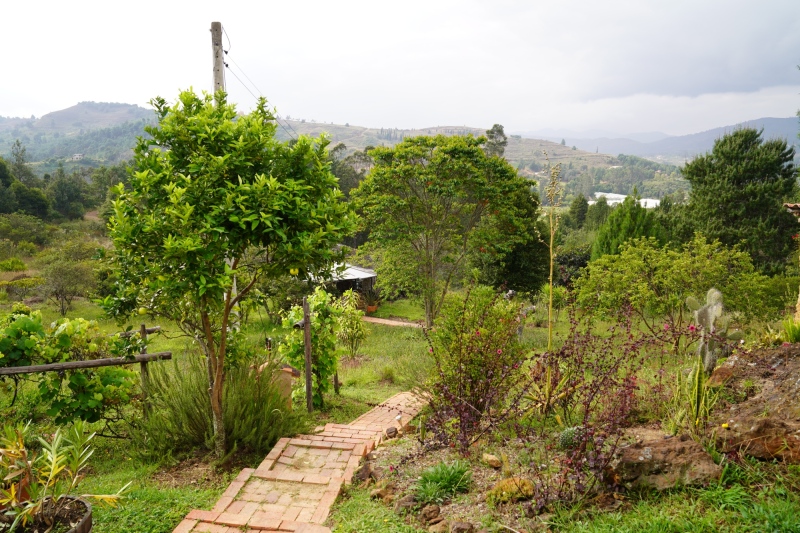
{"x": 371, "y": 297}
{"x": 37, "y": 488}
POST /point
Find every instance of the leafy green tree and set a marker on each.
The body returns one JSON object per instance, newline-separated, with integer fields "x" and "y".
{"x": 67, "y": 194}
{"x": 66, "y": 280}
{"x": 737, "y": 194}
{"x": 655, "y": 281}
{"x": 19, "y": 164}
{"x": 523, "y": 267}
{"x": 597, "y": 213}
{"x": 578, "y": 210}
{"x": 8, "y": 200}
{"x": 31, "y": 200}
{"x": 209, "y": 188}
{"x": 19, "y": 227}
{"x": 347, "y": 168}
{"x": 628, "y": 221}
{"x": 103, "y": 179}
{"x": 6, "y": 179}
{"x": 69, "y": 272}
{"x": 428, "y": 202}
{"x": 496, "y": 141}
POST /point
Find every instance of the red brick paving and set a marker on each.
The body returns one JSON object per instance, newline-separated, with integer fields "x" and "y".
{"x": 298, "y": 481}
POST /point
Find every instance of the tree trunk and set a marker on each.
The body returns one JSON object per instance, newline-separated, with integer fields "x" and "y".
{"x": 797, "y": 309}
{"x": 220, "y": 446}
{"x": 428, "y": 311}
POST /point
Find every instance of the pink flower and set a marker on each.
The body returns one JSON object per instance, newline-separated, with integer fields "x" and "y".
{"x": 430, "y": 350}
{"x": 666, "y": 327}
{"x": 692, "y": 327}
{"x": 499, "y": 351}
{"x": 477, "y": 333}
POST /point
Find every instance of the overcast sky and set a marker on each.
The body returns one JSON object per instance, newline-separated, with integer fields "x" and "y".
{"x": 626, "y": 66}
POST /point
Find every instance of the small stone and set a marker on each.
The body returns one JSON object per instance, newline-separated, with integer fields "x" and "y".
{"x": 429, "y": 513}
{"x": 371, "y": 456}
{"x": 406, "y": 503}
{"x": 461, "y": 527}
{"x": 391, "y": 432}
{"x": 440, "y": 527}
{"x": 492, "y": 460}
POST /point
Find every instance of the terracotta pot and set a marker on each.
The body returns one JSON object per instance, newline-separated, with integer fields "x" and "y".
{"x": 372, "y": 308}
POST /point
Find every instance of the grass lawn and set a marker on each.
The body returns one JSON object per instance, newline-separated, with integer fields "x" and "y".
{"x": 404, "y": 309}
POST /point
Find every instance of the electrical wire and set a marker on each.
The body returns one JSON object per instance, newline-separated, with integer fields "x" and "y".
{"x": 241, "y": 70}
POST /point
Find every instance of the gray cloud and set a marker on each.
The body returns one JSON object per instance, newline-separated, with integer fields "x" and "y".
{"x": 619, "y": 64}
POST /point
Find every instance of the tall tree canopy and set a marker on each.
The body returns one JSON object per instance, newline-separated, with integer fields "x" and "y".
{"x": 209, "y": 187}
{"x": 627, "y": 221}
{"x": 429, "y": 201}
{"x": 578, "y": 210}
{"x": 496, "y": 141}
{"x": 737, "y": 195}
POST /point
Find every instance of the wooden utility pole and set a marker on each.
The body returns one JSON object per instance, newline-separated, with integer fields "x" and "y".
{"x": 307, "y": 343}
{"x": 219, "y": 85}
{"x": 219, "y": 60}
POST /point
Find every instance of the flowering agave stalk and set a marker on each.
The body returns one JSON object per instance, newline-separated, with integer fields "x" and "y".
{"x": 36, "y": 488}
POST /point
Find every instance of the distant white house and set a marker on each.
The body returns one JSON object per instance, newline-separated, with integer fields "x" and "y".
{"x": 76, "y": 157}
{"x": 614, "y": 199}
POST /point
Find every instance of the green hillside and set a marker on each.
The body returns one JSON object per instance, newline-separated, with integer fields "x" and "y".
{"x": 582, "y": 172}
{"x": 105, "y": 133}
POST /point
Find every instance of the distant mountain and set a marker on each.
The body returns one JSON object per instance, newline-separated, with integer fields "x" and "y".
{"x": 678, "y": 149}
{"x": 556, "y": 135}
{"x": 528, "y": 155}
{"x": 101, "y": 131}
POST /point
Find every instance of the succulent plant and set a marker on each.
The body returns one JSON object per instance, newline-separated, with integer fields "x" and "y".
{"x": 570, "y": 438}
{"x": 713, "y": 326}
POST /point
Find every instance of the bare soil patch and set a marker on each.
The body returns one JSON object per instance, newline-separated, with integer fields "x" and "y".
{"x": 195, "y": 471}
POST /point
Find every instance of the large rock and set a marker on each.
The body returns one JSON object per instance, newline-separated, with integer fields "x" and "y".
{"x": 664, "y": 464}
{"x": 763, "y": 438}
{"x": 461, "y": 527}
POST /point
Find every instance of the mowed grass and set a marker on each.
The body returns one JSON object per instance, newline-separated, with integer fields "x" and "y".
{"x": 149, "y": 507}
{"x": 404, "y": 309}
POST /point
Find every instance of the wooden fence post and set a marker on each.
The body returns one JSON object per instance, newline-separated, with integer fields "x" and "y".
{"x": 307, "y": 343}
{"x": 145, "y": 374}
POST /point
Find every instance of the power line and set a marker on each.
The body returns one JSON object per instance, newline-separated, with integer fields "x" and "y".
{"x": 227, "y": 66}
{"x": 256, "y": 98}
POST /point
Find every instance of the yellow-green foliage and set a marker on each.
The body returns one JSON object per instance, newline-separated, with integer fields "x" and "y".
{"x": 512, "y": 489}
{"x": 13, "y": 264}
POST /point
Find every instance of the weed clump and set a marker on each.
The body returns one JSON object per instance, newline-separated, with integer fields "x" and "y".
{"x": 443, "y": 481}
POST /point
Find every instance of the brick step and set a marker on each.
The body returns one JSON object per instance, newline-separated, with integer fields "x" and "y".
{"x": 296, "y": 484}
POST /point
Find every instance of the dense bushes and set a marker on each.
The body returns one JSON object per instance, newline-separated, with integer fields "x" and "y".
{"x": 85, "y": 394}
{"x": 656, "y": 281}
{"x": 477, "y": 359}
{"x": 256, "y": 414}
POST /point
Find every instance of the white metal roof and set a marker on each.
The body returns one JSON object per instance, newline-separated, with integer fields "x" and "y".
{"x": 352, "y": 272}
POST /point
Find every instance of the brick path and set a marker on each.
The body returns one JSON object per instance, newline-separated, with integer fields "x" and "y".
{"x": 387, "y": 322}
{"x": 295, "y": 485}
